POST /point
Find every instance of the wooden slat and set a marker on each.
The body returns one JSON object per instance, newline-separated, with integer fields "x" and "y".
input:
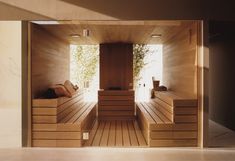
{"x": 74, "y": 114}
{"x": 186, "y": 110}
{"x": 163, "y": 109}
{"x": 185, "y": 118}
{"x": 159, "y": 114}
{"x": 56, "y": 127}
{"x": 125, "y": 134}
{"x": 57, "y": 143}
{"x": 98, "y": 135}
{"x": 116, "y": 113}
{"x": 116, "y": 98}
{"x": 139, "y": 135}
{"x": 117, "y": 118}
{"x": 161, "y": 127}
{"x": 89, "y": 119}
{"x": 44, "y": 111}
{"x": 92, "y": 134}
{"x": 63, "y": 100}
{"x": 45, "y": 102}
{"x": 145, "y": 113}
{"x": 105, "y": 136}
{"x": 70, "y": 111}
{"x": 45, "y": 119}
{"x": 132, "y": 134}
{"x": 116, "y": 108}
{"x": 154, "y": 116}
{"x": 116, "y": 103}
{"x": 161, "y": 135}
{"x": 57, "y": 135}
{"x": 119, "y": 137}
{"x": 163, "y": 104}
{"x": 173, "y": 100}
{"x": 143, "y": 124}
{"x": 173, "y": 143}
{"x": 115, "y": 92}
{"x": 185, "y": 127}
{"x": 69, "y": 103}
{"x": 184, "y": 135}
{"x": 112, "y": 134}
{"x": 86, "y": 112}
{"x": 187, "y": 103}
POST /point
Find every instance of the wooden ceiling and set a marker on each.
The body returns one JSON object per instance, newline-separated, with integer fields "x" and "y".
{"x": 137, "y": 32}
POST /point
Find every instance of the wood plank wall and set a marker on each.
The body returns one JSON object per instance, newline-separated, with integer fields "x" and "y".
{"x": 116, "y": 66}
{"x": 50, "y": 60}
{"x": 180, "y": 61}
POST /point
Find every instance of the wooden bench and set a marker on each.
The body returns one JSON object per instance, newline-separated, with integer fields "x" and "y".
{"x": 168, "y": 120}
{"x": 61, "y": 122}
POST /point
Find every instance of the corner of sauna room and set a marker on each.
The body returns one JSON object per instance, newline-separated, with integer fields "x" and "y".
{"x": 115, "y": 67}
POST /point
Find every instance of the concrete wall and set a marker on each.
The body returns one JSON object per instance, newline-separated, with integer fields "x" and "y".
{"x": 10, "y": 84}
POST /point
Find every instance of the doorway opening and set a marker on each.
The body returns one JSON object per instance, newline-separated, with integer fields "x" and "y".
{"x": 84, "y": 69}
{"x": 147, "y": 64}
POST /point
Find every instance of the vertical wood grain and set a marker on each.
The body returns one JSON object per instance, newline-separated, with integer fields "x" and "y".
{"x": 116, "y": 65}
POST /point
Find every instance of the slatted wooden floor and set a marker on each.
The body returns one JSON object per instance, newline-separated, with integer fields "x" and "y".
{"x": 116, "y": 134}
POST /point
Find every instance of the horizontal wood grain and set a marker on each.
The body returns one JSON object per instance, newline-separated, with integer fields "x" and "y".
{"x": 185, "y": 127}
{"x": 113, "y": 105}
{"x": 172, "y": 99}
{"x": 57, "y": 143}
{"x": 180, "y": 62}
{"x": 57, "y": 135}
{"x": 44, "y": 119}
{"x": 63, "y": 125}
{"x": 50, "y": 60}
{"x": 44, "y": 111}
{"x": 115, "y": 108}
{"x": 158, "y": 132}
{"x": 116, "y": 113}
{"x": 116, "y": 103}
{"x": 115, "y": 92}
{"x": 116, "y": 98}
{"x": 174, "y": 143}
{"x": 57, "y": 127}
{"x": 185, "y": 119}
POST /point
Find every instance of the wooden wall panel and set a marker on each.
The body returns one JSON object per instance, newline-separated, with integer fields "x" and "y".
{"x": 116, "y": 105}
{"x": 180, "y": 62}
{"x": 50, "y": 60}
{"x": 116, "y": 66}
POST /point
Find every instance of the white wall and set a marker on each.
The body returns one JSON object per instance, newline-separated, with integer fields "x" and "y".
{"x": 10, "y": 84}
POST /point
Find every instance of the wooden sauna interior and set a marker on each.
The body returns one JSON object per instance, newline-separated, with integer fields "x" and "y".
{"x": 170, "y": 119}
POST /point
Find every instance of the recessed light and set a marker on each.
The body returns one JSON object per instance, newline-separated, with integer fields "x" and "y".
{"x": 75, "y": 35}
{"x": 156, "y": 35}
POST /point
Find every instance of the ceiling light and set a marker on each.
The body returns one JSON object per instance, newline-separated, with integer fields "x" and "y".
{"x": 75, "y": 35}
{"x": 86, "y": 32}
{"x": 46, "y": 22}
{"x": 156, "y": 35}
